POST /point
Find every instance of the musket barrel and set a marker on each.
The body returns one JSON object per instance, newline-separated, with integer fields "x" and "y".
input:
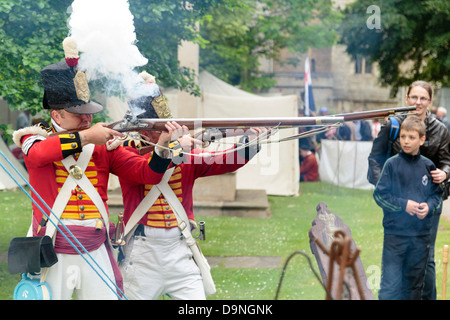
{"x": 242, "y": 123}
{"x": 374, "y": 114}
{"x": 224, "y": 123}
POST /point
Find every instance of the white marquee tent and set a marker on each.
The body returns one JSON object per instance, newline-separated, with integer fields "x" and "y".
{"x": 5, "y": 180}
{"x": 275, "y": 169}
{"x": 345, "y": 164}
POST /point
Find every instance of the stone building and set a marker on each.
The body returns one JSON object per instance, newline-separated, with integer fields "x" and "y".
{"x": 340, "y": 82}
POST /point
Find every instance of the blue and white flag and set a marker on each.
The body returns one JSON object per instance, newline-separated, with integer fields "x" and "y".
{"x": 309, "y": 98}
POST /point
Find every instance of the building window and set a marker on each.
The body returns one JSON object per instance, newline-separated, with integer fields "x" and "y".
{"x": 367, "y": 65}
{"x": 362, "y": 64}
{"x": 358, "y": 63}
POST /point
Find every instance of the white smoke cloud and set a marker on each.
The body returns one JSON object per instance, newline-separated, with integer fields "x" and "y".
{"x": 105, "y": 33}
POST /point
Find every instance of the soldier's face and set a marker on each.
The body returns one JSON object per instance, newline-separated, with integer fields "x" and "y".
{"x": 72, "y": 121}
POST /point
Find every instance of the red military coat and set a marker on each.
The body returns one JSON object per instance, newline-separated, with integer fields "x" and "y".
{"x": 160, "y": 215}
{"x": 43, "y": 155}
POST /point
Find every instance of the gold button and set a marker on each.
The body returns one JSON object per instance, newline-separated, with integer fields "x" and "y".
{"x": 73, "y": 145}
{"x": 79, "y": 189}
{"x": 165, "y": 201}
{"x": 168, "y": 224}
{"x": 82, "y": 216}
{"x": 167, "y": 207}
{"x": 71, "y": 135}
{"x": 168, "y": 216}
{"x": 82, "y": 208}
{"x": 80, "y": 196}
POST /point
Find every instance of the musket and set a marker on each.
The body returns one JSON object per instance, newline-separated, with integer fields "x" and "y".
{"x": 224, "y": 127}
{"x": 127, "y": 125}
{"x": 217, "y": 128}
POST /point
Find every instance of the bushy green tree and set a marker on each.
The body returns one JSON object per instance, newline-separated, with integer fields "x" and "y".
{"x": 239, "y": 36}
{"x": 410, "y": 43}
{"x": 32, "y": 31}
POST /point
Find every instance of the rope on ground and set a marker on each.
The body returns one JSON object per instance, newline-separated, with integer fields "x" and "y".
{"x": 310, "y": 266}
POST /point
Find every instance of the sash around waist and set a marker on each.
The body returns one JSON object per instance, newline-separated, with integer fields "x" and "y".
{"x": 89, "y": 237}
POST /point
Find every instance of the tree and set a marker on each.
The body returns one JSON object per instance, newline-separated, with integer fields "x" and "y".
{"x": 239, "y": 36}
{"x": 411, "y": 42}
{"x": 160, "y": 28}
{"x": 32, "y": 31}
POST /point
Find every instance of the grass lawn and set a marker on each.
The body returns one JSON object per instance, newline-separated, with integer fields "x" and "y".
{"x": 280, "y": 235}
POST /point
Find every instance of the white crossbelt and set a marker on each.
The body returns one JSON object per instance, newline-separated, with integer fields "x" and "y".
{"x": 66, "y": 191}
{"x": 183, "y": 223}
{"x": 146, "y": 204}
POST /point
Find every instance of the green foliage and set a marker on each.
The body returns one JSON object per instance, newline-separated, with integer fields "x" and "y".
{"x": 411, "y": 44}
{"x": 32, "y": 31}
{"x": 240, "y": 36}
{"x": 160, "y": 28}
{"x": 6, "y": 132}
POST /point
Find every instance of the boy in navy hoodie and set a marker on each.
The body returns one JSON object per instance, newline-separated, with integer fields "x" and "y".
{"x": 408, "y": 197}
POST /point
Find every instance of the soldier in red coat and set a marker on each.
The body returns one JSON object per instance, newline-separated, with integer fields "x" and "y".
{"x": 158, "y": 259}
{"x": 69, "y": 166}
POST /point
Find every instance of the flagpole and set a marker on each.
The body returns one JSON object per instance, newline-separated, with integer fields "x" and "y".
{"x": 307, "y": 79}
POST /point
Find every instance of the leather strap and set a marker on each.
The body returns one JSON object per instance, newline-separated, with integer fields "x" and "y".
{"x": 65, "y": 193}
{"x": 184, "y": 225}
{"x": 146, "y": 203}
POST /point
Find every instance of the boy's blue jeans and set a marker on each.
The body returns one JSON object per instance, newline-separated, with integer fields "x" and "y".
{"x": 403, "y": 267}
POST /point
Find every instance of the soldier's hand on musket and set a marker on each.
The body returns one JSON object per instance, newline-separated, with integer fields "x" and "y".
{"x": 173, "y": 132}
{"x": 181, "y": 133}
{"x": 186, "y": 141}
{"x": 98, "y": 134}
{"x": 253, "y": 133}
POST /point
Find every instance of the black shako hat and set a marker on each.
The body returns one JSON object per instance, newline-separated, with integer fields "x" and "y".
{"x": 152, "y": 105}
{"x": 66, "y": 87}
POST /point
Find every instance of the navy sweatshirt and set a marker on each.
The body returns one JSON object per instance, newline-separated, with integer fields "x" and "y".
{"x": 405, "y": 177}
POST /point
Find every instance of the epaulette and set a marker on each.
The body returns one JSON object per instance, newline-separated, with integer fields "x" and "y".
{"x": 44, "y": 125}
{"x": 37, "y": 130}
{"x": 129, "y": 143}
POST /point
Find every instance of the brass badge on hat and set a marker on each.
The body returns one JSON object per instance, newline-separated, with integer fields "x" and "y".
{"x": 81, "y": 87}
{"x": 161, "y": 107}
{"x": 76, "y": 172}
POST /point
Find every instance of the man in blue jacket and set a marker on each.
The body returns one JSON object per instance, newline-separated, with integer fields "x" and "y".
{"x": 408, "y": 197}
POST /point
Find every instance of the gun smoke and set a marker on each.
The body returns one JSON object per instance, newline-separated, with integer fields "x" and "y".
{"x": 105, "y": 33}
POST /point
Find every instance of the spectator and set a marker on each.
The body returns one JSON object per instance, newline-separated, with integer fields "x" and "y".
{"x": 309, "y": 168}
{"x": 408, "y": 215}
{"x": 441, "y": 115}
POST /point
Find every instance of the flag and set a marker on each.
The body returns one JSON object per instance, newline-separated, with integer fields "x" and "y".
{"x": 309, "y": 98}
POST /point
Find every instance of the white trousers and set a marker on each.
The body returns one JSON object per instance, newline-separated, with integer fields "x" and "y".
{"x": 73, "y": 276}
{"x": 161, "y": 263}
